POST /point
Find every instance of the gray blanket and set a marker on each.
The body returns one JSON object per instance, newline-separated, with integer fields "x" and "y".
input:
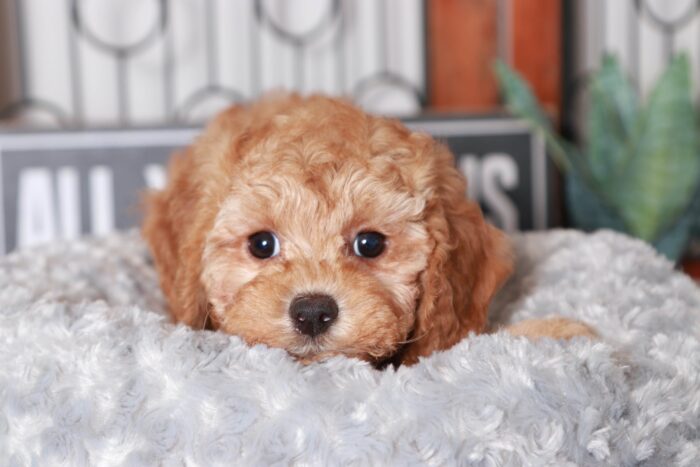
{"x": 93, "y": 373}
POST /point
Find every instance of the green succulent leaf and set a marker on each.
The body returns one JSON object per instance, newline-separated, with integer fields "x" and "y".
{"x": 521, "y": 102}
{"x": 662, "y": 166}
{"x": 610, "y": 121}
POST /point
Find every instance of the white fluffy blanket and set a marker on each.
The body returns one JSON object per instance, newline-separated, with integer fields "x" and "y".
{"x": 92, "y": 373}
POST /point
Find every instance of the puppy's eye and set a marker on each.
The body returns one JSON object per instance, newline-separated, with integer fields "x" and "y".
{"x": 263, "y": 245}
{"x": 369, "y": 244}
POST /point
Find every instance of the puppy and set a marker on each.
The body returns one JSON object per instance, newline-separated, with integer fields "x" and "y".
{"x": 306, "y": 224}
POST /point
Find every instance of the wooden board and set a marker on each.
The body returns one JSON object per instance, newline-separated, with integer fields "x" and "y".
{"x": 536, "y": 47}
{"x": 463, "y": 44}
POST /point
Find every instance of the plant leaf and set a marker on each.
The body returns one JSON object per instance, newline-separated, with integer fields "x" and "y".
{"x": 587, "y": 210}
{"x": 661, "y": 172}
{"x": 522, "y": 103}
{"x": 610, "y": 120}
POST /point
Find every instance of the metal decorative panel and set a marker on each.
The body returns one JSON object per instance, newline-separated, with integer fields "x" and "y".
{"x": 136, "y": 62}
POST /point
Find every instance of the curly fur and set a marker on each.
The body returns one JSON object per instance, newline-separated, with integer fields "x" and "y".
{"x": 318, "y": 171}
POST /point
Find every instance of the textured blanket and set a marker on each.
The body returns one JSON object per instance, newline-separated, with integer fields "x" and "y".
{"x": 93, "y": 373}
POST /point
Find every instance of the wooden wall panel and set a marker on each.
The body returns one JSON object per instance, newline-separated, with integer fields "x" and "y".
{"x": 536, "y": 47}
{"x": 8, "y": 56}
{"x": 463, "y": 43}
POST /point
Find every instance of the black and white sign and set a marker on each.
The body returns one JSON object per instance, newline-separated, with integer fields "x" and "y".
{"x": 63, "y": 185}
{"x": 506, "y": 167}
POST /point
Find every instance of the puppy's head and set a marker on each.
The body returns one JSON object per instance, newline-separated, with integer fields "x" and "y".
{"x": 308, "y": 225}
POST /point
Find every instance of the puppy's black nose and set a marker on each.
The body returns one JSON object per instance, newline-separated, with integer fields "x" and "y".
{"x": 313, "y": 314}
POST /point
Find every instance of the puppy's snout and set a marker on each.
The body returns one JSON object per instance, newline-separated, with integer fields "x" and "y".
{"x": 313, "y": 314}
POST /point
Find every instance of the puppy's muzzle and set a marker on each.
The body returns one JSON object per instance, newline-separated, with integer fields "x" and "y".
{"x": 313, "y": 314}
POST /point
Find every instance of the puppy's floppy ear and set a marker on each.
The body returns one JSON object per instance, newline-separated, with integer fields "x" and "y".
{"x": 469, "y": 262}
{"x": 179, "y": 218}
{"x": 174, "y": 243}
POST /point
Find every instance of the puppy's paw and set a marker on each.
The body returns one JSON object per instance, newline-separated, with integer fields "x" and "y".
{"x": 556, "y": 328}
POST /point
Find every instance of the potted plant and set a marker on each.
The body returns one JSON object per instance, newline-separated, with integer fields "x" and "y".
{"x": 638, "y": 168}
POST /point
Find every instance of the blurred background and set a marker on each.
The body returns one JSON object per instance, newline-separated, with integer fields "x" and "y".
{"x": 94, "y": 95}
